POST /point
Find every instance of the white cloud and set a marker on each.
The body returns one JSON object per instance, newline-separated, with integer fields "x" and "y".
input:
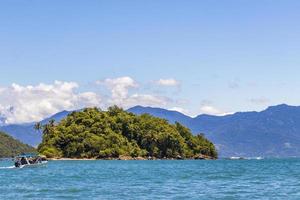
{"x": 181, "y": 110}
{"x": 210, "y": 110}
{"x": 22, "y": 104}
{"x": 168, "y": 82}
{"x": 120, "y": 94}
{"x": 207, "y": 107}
{"x": 146, "y": 100}
{"x": 119, "y": 88}
{"x": 31, "y": 103}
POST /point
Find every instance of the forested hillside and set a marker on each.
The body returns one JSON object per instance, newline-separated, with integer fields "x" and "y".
{"x": 10, "y": 147}
{"x": 93, "y": 133}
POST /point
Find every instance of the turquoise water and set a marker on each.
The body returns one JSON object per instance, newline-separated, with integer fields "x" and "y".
{"x": 221, "y": 179}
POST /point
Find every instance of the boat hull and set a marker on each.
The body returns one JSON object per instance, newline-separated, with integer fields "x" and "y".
{"x": 44, "y": 163}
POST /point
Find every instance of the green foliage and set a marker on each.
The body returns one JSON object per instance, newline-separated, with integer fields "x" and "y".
{"x": 10, "y": 147}
{"x": 93, "y": 133}
{"x": 51, "y": 152}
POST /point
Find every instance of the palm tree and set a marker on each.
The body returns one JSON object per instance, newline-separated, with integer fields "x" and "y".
{"x": 51, "y": 122}
{"x": 47, "y": 128}
{"x": 38, "y": 126}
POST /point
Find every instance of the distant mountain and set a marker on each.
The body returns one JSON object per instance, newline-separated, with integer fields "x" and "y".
{"x": 10, "y": 147}
{"x": 272, "y": 132}
{"x": 57, "y": 117}
{"x": 171, "y": 116}
{"x": 26, "y": 132}
{"x": 23, "y": 132}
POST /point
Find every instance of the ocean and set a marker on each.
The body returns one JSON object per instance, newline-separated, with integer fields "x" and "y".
{"x": 160, "y": 179}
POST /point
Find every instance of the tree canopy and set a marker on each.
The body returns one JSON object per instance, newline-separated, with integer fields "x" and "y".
{"x": 92, "y": 133}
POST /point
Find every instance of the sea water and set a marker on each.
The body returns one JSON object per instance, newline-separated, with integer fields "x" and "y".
{"x": 161, "y": 179}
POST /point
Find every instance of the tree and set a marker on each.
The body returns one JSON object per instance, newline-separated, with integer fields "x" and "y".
{"x": 38, "y": 126}
{"x": 51, "y": 122}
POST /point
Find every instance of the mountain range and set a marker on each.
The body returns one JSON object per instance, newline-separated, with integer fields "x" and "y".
{"x": 274, "y": 132}
{"x": 26, "y": 132}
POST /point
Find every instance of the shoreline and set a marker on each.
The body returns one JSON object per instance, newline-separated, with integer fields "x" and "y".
{"x": 129, "y": 158}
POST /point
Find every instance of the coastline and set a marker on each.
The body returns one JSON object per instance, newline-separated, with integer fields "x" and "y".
{"x": 201, "y": 157}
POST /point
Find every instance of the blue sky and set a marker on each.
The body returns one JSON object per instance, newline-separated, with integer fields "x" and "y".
{"x": 225, "y": 56}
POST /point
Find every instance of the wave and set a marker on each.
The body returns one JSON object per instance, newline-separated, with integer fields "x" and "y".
{"x": 255, "y": 158}
{"x": 10, "y": 167}
{"x": 246, "y": 158}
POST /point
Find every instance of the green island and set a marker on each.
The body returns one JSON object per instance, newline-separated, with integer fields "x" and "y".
{"x": 10, "y": 147}
{"x": 117, "y": 134}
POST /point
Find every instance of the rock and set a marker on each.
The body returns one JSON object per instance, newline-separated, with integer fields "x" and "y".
{"x": 202, "y": 157}
{"x": 125, "y": 158}
{"x": 139, "y": 158}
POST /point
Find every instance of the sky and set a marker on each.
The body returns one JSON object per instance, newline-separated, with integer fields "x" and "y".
{"x": 209, "y": 56}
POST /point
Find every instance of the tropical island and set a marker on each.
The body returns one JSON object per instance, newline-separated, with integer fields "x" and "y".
{"x": 116, "y": 134}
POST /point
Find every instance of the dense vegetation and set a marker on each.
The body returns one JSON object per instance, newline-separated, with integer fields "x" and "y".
{"x": 10, "y": 147}
{"x": 93, "y": 133}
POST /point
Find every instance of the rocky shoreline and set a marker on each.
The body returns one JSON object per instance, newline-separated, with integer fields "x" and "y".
{"x": 198, "y": 157}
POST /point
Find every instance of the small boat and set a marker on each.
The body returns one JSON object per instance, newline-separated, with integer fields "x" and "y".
{"x": 29, "y": 160}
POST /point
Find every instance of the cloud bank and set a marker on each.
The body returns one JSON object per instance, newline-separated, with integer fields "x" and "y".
{"x": 31, "y": 103}
{"x": 21, "y": 104}
{"x": 120, "y": 94}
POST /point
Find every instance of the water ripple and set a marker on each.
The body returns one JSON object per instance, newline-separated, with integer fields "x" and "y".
{"x": 221, "y": 179}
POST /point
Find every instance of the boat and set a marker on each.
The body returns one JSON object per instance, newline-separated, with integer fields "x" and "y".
{"x": 29, "y": 160}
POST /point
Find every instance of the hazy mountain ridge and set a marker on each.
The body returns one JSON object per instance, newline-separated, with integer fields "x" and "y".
{"x": 171, "y": 116}
{"x": 26, "y": 132}
{"x": 57, "y": 117}
{"x": 271, "y": 132}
